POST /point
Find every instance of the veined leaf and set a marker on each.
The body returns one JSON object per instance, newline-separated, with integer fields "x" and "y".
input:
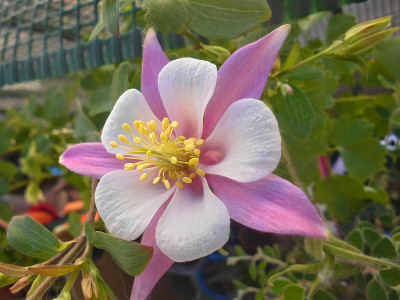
{"x": 129, "y": 256}
{"x": 32, "y": 239}
{"x": 209, "y": 18}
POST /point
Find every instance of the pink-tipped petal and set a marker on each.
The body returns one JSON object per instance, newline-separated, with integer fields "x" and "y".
{"x": 90, "y": 159}
{"x": 271, "y": 204}
{"x": 245, "y": 145}
{"x": 154, "y": 59}
{"x": 244, "y": 75}
{"x": 195, "y": 223}
{"x": 126, "y": 204}
{"x": 158, "y": 265}
{"x": 186, "y": 85}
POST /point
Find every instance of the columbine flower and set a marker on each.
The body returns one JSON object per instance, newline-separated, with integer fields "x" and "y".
{"x": 191, "y": 151}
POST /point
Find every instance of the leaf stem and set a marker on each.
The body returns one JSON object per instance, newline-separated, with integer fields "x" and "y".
{"x": 72, "y": 253}
{"x": 192, "y": 37}
{"x": 299, "y": 64}
{"x": 290, "y": 167}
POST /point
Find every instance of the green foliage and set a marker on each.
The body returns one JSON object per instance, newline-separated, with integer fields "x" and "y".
{"x": 209, "y": 18}
{"x": 130, "y": 256}
{"x": 32, "y": 239}
{"x": 375, "y": 291}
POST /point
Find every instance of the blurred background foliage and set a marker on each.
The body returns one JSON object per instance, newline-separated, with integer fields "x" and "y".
{"x": 339, "y": 117}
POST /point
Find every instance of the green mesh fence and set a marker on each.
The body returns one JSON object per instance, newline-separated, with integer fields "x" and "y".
{"x": 47, "y": 38}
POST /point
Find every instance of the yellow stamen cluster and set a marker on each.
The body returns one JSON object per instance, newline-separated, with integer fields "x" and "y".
{"x": 176, "y": 159}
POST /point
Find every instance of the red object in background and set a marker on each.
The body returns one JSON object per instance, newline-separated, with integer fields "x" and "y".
{"x": 43, "y": 213}
{"x": 324, "y": 168}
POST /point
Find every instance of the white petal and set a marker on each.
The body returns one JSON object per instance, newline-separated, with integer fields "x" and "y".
{"x": 130, "y": 106}
{"x": 246, "y": 143}
{"x": 127, "y": 204}
{"x": 186, "y": 85}
{"x": 195, "y": 223}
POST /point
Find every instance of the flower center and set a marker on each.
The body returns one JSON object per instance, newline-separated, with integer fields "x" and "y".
{"x": 176, "y": 159}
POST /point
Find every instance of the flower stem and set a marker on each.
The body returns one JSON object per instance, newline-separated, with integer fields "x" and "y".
{"x": 299, "y": 64}
{"x": 291, "y": 169}
{"x": 71, "y": 254}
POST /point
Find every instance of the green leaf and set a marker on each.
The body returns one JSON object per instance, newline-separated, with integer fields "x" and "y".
{"x": 375, "y": 290}
{"x": 129, "y": 256}
{"x": 84, "y": 127}
{"x": 8, "y": 169}
{"x": 209, "y": 18}
{"x": 260, "y": 295}
{"x": 376, "y": 195}
{"x": 323, "y": 295}
{"x": 343, "y": 196}
{"x": 293, "y": 292}
{"x": 100, "y": 24}
{"x": 75, "y": 226}
{"x": 305, "y": 73}
{"x": 120, "y": 81}
{"x": 32, "y": 239}
{"x": 390, "y": 276}
{"x": 100, "y": 101}
{"x": 7, "y": 280}
{"x": 355, "y": 238}
{"x": 292, "y": 57}
{"x": 110, "y": 15}
{"x": 253, "y": 269}
{"x": 338, "y": 25}
{"x": 295, "y": 113}
{"x": 33, "y": 192}
{"x": 384, "y": 248}
{"x": 278, "y": 285}
{"x": 370, "y": 235}
{"x": 387, "y": 54}
{"x": 362, "y": 154}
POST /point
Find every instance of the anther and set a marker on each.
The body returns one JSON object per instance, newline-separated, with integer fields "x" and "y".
{"x": 113, "y": 144}
{"x": 165, "y": 123}
{"x": 199, "y": 142}
{"x": 140, "y": 168}
{"x": 193, "y": 161}
{"x": 196, "y": 152}
{"x": 200, "y": 172}
{"x": 174, "y": 160}
{"x": 156, "y": 180}
{"x": 137, "y": 140}
{"x": 166, "y": 183}
{"x": 120, "y": 156}
{"x": 137, "y": 124}
{"x": 144, "y": 176}
{"x": 189, "y": 148}
{"x": 126, "y": 127}
{"x": 192, "y": 175}
{"x": 129, "y": 166}
{"x": 122, "y": 138}
{"x": 179, "y": 184}
{"x": 152, "y": 125}
{"x": 186, "y": 180}
{"x": 174, "y": 124}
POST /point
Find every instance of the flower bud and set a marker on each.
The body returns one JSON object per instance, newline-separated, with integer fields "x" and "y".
{"x": 370, "y": 41}
{"x": 89, "y": 287}
{"x": 368, "y": 28}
